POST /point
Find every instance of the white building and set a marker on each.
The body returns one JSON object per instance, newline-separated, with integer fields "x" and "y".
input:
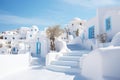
{"x": 74, "y": 29}
{"x": 23, "y": 31}
{"x": 106, "y": 21}
{"x": 24, "y": 39}
{"x": 76, "y": 24}
{"x": 39, "y": 45}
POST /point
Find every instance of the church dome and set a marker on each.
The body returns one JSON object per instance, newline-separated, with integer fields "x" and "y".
{"x": 76, "y": 19}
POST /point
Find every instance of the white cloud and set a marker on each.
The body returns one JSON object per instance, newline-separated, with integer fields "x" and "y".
{"x": 11, "y": 19}
{"x": 93, "y": 3}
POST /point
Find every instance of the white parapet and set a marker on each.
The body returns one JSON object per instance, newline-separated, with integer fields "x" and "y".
{"x": 52, "y": 56}
{"x": 102, "y": 62}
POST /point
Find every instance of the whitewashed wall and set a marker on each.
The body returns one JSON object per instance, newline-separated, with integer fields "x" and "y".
{"x": 10, "y": 64}
{"x": 44, "y": 45}
{"x": 90, "y": 23}
{"x": 115, "y": 25}
{"x": 102, "y": 62}
{"x": 102, "y": 14}
{"x": 91, "y": 42}
{"x": 100, "y": 24}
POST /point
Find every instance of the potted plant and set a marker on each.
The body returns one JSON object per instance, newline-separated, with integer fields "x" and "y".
{"x": 102, "y": 38}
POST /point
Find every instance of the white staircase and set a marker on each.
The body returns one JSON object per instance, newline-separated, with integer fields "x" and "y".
{"x": 68, "y": 63}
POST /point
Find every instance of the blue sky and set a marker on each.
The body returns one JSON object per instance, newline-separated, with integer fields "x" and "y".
{"x": 44, "y": 13}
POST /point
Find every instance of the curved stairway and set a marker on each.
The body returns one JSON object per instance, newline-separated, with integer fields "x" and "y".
{"x": 69, "y": 62}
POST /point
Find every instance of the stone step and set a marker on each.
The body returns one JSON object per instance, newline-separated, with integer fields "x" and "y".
{"x": 66, "y": 63}
{"x": 35, "y": 61}
{"x": 69, "y": 58}
{"x": 77, "y": 53}
{"x": 65, "y": 69}
{"x": 75, "y": 47}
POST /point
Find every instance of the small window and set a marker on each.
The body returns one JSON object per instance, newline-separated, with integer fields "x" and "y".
{"x": 69, "y": 33}
{"x": 80, "y": 23}
{"x": 13, "y": 37}
{"x": 9, "y": 42}
{"x": 31, "y": 29}
{"x": 21, "y": 38}
{"x": 108, "y": 24}
{"x": 30, "y": 35}
{"x": 72, "y": 24}
{"x": 5, "y": 37}
{"x": 2, "y": 51}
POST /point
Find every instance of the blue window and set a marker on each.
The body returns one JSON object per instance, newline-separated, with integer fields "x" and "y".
{"x": 5, "y": 37}
{"x": 108, "y": 24}
{"x": 30, "y": 35}
{"x": 91, "y": 32}
{"x": 69, "y": 33}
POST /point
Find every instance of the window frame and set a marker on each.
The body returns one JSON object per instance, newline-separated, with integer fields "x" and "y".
{"x": 108, "y": 24}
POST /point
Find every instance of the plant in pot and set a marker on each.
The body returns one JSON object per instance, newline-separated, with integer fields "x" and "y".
{"x": 102, "y": 38}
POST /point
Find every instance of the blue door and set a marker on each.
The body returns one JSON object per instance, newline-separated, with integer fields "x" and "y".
{"x": 14, "y": 50}
{"x": 38, "y": 47}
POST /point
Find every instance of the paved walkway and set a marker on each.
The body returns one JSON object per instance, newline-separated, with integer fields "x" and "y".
{"x": 39, "y": 73}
